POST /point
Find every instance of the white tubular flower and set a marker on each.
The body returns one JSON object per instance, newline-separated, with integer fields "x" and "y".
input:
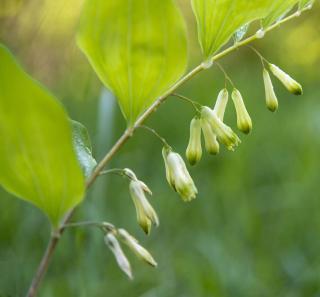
{"x": 178, "y": 176}
{"x": 210, "y": 139}
{"x": 271, "y": 98}
{"x": 134, "y": 245}
{"x": 244, "y": 122}
{"x": 292, "y": 86}
{"x": 122, "y": 261}
{"x": 224, "y": 133}
{"x": 221, "y": 103}
{"x": 194, "y": 150}
{"x": 146, "y": 215}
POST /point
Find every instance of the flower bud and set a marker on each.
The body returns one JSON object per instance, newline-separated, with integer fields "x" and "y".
{"x": 221, "y": 103}
{"x": 122, "y": 261}
{"x": 210, "y": 139}
{"x": 292, "y": 86}
{"x": 224, "y": 133}
{"x": 178, "y": 176}
{"x": 134, "y": 245}
{"x": 130, "y": 174}
{"x": 194, "y": 150}
{"x": 271, "y": 98}
{"x": 244, "y": 122}
{"x": 146, "y": 215}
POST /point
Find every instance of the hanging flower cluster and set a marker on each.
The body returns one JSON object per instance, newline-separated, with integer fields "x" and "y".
{"x": 112, "y": 238}
{"x": 211, "y": 121}
{"x": 214, "y": 130}
{"x": 207, "y": 123}
{"x": 290, "y": 84}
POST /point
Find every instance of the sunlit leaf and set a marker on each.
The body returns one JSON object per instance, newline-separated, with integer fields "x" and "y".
{"x": 218, "y": 20}
{"x": 279, "y": 9}
{"x": 82, "y": 145}
{"x": 137, "y": 48}
{"x": 304, "y": 3}
{"x": 38, "y": 162}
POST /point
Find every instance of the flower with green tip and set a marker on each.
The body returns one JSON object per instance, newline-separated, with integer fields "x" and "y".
{"x": 244, "y": 122}
{"x": 178, "y": 176}
{"x": 146, "y": 215}
{"x": 224, "y": 133}
{"x": 210, "y": 139}
{"x": 136, "y": 248}
{"x": 271, "y": 98}
{"x": 221, "y": 103}
{"x": 291, "y": 85}
{"x": 122, "y": 261}
{"x": 194, "y": 149}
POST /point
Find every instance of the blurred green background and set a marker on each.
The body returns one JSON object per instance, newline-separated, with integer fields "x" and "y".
{"x": 254, "y": 228}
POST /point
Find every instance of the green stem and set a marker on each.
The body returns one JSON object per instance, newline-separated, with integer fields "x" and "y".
{"x": 117, "y": 171}
{"x": 155, "y": 133}
{"x": 195, "y": 104}
{"x": 105, "y": 226}
{"x": 227, "y": 77}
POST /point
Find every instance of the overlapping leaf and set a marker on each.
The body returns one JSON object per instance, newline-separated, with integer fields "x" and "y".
{"x": 37, "y": 159}
{"x": 279, "y": 9}
{"x": 241, "y": 32}
{"x": 137, "y": 48}
{"x": 82, "y": 145}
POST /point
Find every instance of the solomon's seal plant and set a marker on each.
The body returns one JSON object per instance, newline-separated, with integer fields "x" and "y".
{"x": 140, "y": 54}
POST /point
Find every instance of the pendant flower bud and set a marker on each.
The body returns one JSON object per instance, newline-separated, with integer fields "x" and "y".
{"x": 244, "y": 122}
{"x": 224, "y": 133}
{"x": 271, "y": 98}
{"x": 146, "y": 215}
{"x": 210, "y": 139}
{"x": 134, "y": 245}
{"x": 292, "y": 86}
{"x": 221, "y": 103}
{"x": 194, "y": 150}
{"x": 178, "y": 176}
{"x": 122, "y": 261}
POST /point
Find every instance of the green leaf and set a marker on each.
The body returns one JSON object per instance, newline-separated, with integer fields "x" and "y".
{"x": 218, "y": 20}
{"x": 38, "y": 162}
{"x": 279, "y": 10}
{"x": 82, "y": 145}
{"x": 137, "y": 48}
{"x": 304, "y": 3}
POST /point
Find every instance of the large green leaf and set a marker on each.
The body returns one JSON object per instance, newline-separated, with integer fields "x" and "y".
{"x": 82, "y": 145}
{"x": 218, "y": 20}
{"x": 37, "y": 159}
{"x": 279, "y": 9}
{"x": 137, "y": 48}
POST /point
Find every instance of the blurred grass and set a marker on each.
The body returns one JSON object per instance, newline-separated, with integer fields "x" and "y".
{"x": 254, "y": 229}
